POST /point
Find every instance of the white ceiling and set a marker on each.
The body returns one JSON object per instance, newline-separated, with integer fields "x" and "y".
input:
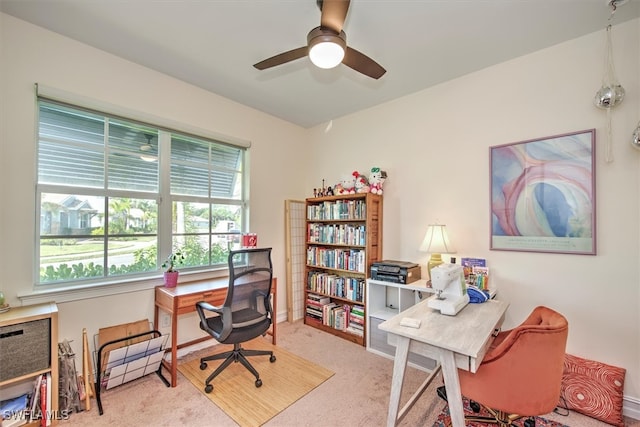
{"x": 214, "y": 43}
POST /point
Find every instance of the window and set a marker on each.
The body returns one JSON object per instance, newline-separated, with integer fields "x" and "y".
{"x": 114, "y": 194}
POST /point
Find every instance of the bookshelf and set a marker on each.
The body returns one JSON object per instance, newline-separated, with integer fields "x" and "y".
{"x": 344, "y": 237}
{"x": 29, "y": 350}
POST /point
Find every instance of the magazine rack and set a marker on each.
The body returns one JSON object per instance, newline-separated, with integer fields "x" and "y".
{"x": 129, "y": 362}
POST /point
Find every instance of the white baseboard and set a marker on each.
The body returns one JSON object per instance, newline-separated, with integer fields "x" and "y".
{"x": 631, "y": 407}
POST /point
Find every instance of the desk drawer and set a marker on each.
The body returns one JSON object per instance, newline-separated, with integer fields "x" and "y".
{"x": 475, "y": 362}
{"x": 215, "y": 297}
{"x": 384, "y": 343}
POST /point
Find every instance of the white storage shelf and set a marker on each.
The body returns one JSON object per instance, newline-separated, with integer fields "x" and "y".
{"x": 385, "y": 300}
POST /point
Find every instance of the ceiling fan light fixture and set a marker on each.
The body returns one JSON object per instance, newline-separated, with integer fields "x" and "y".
{"x": 146, "y": 149}
{"x": 326, "y": 47}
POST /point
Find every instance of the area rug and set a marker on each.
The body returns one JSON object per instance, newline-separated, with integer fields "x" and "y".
{"x": 285, "y": 381}
{"x": 444, "y": 420}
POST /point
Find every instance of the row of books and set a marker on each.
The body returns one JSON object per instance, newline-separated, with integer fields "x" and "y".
{"x": 356, "y": 320}
{"x": 344, "y": 317}
{"x": 350, "y": 288}
{"x": 337, "y": 234}
{"x": 343, "y": 259}
{"x": 339, "y": 209}
{"x": 29, "y": 407}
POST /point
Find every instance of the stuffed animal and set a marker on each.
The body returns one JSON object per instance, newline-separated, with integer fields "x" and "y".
{"x": 376, "y": 179}
{"x": 362, "y": 183}
{"x": 347, "y": 185}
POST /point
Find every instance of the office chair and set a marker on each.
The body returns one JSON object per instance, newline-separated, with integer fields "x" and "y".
{"x": 245, "y": 314}
{"x": 521, "y": 374}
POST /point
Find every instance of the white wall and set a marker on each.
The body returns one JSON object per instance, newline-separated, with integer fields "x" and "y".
{"x": 435, "y": 147}
{"x": 31, "y": 54}
{"x": 434, "y": 144}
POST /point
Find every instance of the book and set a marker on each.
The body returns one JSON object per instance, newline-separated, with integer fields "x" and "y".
{"x": 473, "y": 262}
{"x": 13, "y": 412}
{"x": 481, "y": 277}
{"x": 43, "y": 400}
{"x": 469, "y": 263}
{"x": 34, "y": 403}
{"x": 48, "y": 414}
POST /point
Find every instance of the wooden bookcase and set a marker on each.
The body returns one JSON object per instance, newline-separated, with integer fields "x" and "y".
{"x": 344, "y": 237}
{"x": 30, "y": 343}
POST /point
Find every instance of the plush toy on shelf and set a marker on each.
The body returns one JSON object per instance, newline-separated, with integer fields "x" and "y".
{"x": 362, "y": 183}
{"x": 347, "y": 185}
{"x": 376, "y": 179}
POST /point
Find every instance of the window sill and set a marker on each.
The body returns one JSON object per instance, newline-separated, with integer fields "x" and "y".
{"x": 80, "y": 292}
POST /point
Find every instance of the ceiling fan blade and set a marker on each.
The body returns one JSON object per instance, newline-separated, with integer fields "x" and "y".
{"x": 282, "y": 58}
{"x": 363, "y": 64}
{"x": 334, "y": 13}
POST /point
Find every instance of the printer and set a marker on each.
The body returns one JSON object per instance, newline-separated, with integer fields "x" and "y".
{"x": 402, "y": 272}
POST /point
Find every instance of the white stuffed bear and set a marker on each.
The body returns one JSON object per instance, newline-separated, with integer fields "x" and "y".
{"x": 347, "y": 185}
{"x": 376, "y": 179}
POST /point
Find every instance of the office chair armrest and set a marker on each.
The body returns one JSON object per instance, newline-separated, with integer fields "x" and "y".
{"x": 224, "y": 312}
{"x": 203, "y": 305}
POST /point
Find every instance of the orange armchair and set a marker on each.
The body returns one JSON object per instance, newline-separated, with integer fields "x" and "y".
{"x": 521, "y": 373}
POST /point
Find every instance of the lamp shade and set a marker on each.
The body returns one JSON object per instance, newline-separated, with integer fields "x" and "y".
{"x": 436, "y": 240}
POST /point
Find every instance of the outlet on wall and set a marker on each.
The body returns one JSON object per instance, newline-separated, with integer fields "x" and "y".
{"x": 165, "y": 320}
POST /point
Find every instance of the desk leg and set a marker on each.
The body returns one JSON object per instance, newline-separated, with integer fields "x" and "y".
{"x": 452, "y": 384}
{"x": 399, "y": 367}
{"x": 274, "y": 322}
{"x": 174, "y": 349}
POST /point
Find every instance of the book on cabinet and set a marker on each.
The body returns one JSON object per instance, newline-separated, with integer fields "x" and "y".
{"x": 344, "y": 237}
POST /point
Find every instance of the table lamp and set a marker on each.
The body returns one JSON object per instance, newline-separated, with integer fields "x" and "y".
{"x": 436, "y": 242}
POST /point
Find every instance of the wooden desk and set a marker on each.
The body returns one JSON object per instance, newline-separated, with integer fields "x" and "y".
{"x": 459, "y": 341}
{"x": 183, "y": 298}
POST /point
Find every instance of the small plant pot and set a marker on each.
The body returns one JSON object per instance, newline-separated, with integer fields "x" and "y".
{"x": 171, "y": 279}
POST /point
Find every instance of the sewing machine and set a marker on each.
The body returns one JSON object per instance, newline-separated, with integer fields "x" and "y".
{"x": 451, "y": 289}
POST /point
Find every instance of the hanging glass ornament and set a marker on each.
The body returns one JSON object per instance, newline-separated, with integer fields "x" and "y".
{"x": 611, "y": 93}
{"x": 609, "y": 96}
{"x": 635, "y": 137}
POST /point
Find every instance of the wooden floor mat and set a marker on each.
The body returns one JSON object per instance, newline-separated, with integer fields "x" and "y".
{"x": 283, "y": 382}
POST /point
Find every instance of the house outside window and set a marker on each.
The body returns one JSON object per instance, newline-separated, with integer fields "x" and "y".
{"x": 116, "y": 196}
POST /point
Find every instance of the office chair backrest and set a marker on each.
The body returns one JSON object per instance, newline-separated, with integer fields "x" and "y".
{"x": 250, "y": 275}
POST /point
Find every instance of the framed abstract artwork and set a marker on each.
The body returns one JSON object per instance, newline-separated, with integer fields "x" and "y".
{"x": 543, "y": 194}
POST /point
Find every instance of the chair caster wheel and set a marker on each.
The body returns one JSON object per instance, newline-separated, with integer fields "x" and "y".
{"x": 203, "y": 366}
{"x": 442, "y": 392}
{"x": 208, "y": 388}
{"x": 475, "y": 406}
{"x": 530, "y": 422}
{"x": 258, "y": 382}
{"x": 272, "y": 358}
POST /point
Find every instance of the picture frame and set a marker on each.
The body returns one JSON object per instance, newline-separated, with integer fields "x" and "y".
{"x": 543, "y": 194}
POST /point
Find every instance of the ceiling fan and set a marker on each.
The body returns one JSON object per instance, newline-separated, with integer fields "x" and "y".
{"x": 327, "y": 44}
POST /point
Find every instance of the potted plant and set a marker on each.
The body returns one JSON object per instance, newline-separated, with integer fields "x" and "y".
{"x": 170, "y": 273}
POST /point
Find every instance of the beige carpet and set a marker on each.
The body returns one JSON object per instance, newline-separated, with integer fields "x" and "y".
{"x": 283, "y": 382}
{"x": 356, "y": 396}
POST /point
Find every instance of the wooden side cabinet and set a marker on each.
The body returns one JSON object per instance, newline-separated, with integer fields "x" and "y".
{"x": 29, "y": 348}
